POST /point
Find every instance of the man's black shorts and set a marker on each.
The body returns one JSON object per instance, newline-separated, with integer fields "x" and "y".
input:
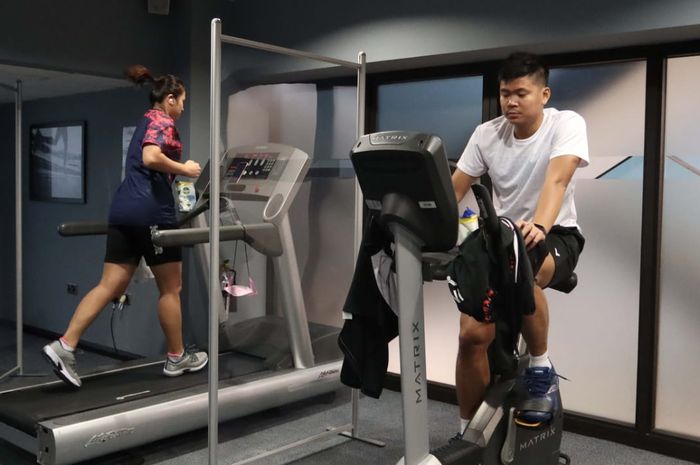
{"x": 127, "y": 244}
{"x": 565, "y": 245}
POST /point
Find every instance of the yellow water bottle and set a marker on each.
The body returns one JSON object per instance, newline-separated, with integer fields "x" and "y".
{"x": 469, "y": 220}
{"x": 468, "y": 223}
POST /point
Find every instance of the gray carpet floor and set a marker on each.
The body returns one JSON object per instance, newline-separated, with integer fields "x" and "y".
{"x": 243, "y": 438}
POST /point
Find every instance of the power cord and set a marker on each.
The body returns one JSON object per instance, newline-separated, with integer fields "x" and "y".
{"x": 117, "y": 306}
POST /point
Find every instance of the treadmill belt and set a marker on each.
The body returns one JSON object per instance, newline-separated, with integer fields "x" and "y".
{"x": 23, "y": 409}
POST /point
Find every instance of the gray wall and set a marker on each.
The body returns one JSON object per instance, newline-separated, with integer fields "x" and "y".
{"x": 85, "y": 36}
{"x": 98, "y": 38}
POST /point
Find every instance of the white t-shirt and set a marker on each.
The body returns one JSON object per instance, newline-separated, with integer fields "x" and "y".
{"x": 517, "y": 167}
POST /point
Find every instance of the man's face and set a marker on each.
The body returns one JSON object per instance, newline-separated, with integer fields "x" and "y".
{"x": 523, "y": 100}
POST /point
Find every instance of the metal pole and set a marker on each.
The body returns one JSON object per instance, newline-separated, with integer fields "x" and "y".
{"x": 286, "y": 51}
{"x": 414, "y": 394}
{"x": 298, "y": 326}
{"x": 214, "y": 292}
{"x": 18, "y": 224}
{"x": 359, "y": 131}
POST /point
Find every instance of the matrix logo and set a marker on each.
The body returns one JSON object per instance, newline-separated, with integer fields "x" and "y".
{"x": 326, "y": 373}
{"x": 416, "y": 362}
{"x": 539, "y": 438}
{"x": 101, "y": 438}
{"x": 378, "y": 139}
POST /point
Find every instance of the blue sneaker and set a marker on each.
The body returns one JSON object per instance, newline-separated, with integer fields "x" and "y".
{"x": 542, "y": 397}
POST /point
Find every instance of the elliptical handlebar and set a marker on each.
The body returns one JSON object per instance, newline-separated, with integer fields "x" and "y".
{"x": 486, "y": 209}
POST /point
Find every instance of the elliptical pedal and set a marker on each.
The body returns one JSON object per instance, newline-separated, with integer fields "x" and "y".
{"x": 458, "y": 451}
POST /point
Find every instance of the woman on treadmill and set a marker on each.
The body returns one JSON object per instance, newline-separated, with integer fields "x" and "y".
{"x": 142, "y": 202}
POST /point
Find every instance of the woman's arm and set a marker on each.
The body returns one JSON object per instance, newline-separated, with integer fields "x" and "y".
{"x": 155, "y": 159}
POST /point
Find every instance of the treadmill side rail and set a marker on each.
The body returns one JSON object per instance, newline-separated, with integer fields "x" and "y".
{"x": 75, "y": 438}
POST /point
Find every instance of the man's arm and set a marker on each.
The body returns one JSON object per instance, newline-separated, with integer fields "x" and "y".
{"x": 462, "y": 182}
{"x": 559, "y": 173}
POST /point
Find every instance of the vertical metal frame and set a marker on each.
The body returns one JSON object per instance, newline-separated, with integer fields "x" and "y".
{"x": 217, "y": 38}
{"x": 214, "y": 230}
{"x": 19, "y": 364}
{"x": 652, "y": 216}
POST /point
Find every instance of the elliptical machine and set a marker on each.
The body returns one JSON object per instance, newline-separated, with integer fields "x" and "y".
{"x": 405, "y": 180}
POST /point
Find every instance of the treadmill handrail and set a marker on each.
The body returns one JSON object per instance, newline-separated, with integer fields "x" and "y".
{"x": 263, "y": 237}
{"x": 83, "y": 228}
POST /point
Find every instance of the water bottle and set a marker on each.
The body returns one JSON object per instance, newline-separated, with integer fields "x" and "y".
{"x": 468, "y": 223}
{"x": 470, "y": 220}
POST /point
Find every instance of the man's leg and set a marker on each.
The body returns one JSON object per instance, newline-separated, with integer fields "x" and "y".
{"x": 472, "y": 372}
{"x": 536, "y": 326}
{"x": 539, "y": 378}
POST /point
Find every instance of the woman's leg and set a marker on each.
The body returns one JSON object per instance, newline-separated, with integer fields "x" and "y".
{"x": 169, "y": 279}
{"x": 115, "y": 279}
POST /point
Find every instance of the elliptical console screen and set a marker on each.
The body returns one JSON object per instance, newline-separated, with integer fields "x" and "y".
{"x": 246, "y": 166}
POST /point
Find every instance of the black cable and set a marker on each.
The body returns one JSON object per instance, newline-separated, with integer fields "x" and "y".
{"x": 111, "y": 328}
{"x": 117, "y": 304}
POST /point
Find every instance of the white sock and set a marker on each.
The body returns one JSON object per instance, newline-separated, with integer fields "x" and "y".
{"x": 540, "y": 360}
{"x": 65, "y": 345}
{"x": 175, "y": 357}
{"x": 463, "y": 425}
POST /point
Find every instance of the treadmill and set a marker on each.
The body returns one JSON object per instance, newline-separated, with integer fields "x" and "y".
{"x": 268, "y": 361}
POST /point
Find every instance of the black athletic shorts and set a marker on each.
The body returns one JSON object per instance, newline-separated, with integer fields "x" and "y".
{"x": 565, "y": 245}
{"x": 127, "y": 244}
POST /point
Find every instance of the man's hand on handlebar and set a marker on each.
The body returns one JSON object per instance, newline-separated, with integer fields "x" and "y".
{"x": 532, "y": 233}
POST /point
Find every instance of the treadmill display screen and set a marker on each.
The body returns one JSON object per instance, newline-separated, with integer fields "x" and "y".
{"x": 250, "y": 166}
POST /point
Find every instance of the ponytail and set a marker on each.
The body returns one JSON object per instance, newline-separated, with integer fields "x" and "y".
{"x": 162, "y": 86}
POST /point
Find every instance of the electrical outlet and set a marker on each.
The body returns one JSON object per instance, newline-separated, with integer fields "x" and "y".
{"x": 72, "y": 288}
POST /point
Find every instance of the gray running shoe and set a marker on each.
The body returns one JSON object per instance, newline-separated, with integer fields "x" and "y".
{"x": 190, "y": 361}
{"x": 63, "y": 363}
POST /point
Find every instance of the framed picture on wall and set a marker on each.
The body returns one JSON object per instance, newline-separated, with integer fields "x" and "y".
{"x": 57, "y": 162}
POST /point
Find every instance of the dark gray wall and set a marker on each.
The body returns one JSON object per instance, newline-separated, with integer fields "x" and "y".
{"x": 85, "y": 36}
{"x": 98, "y": 38}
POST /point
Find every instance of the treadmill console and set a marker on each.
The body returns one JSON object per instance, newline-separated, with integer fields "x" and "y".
{"x": 250, "y": 166}
{"x": 270, "y": 172}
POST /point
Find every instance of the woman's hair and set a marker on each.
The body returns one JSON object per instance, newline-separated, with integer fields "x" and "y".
{"x": 161, "y": 86}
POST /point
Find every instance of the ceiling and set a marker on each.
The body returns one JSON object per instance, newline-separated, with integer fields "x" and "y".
{"x": 41, "y": 83}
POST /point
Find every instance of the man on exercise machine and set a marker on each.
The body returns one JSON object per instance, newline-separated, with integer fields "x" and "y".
{"x": 530, "y": 153}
